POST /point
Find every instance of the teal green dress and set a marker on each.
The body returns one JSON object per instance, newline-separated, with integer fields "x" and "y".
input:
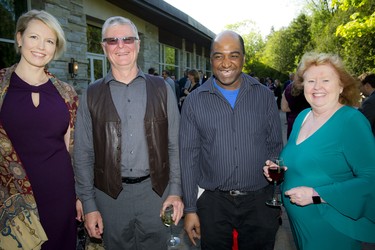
{"x": 338, "y": 161}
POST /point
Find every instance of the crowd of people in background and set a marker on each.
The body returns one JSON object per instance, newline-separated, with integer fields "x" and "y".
{"x": 182, "y": 87}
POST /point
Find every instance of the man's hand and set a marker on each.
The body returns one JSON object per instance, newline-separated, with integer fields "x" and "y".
{"x": 192, "y": 227}
{"x": 178, "y": 207}
{"x": 94, "y": 224}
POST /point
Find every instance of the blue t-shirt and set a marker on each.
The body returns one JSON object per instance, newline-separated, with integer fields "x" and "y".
{"x": 230, "y": 95}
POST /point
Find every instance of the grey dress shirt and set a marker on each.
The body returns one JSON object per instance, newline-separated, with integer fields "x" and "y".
{"x": 130, "y": 102}
{"x": 225, "y": 148}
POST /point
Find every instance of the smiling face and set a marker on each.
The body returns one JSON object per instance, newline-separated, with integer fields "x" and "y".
{"x": 38, "y": 44}
{"x": 121, "y": 54}
{"x": 322, "y": 87}
{"x": 227, "y": 60}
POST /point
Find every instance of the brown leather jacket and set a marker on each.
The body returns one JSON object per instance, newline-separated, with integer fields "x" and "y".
{"x": 106, "y": 126}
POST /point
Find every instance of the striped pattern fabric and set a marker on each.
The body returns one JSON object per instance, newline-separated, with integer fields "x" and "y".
{"x": 223, "y": 147}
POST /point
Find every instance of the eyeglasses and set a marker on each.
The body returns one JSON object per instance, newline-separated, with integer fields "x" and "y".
{"x": 116, "y": 40}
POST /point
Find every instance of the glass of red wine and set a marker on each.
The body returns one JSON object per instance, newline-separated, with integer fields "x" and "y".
{"x": 276, "y": 173}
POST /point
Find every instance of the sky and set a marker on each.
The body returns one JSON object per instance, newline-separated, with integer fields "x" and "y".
{"x": 215, "y": 14}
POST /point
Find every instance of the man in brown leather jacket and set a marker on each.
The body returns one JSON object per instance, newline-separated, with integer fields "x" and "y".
{"x": 126, "y": 150}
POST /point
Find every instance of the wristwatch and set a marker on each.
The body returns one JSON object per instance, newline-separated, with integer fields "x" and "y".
{"x": 316, "y": 199}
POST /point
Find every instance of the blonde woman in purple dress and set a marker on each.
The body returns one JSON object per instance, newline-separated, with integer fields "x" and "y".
{"x": 37, "y": 112}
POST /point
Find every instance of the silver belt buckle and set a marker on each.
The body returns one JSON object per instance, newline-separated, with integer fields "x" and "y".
{"x": 235, "y": 192}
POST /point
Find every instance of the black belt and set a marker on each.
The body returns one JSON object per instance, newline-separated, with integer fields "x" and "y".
{"x": 234, "y": 192}
{"x": 133, "y": 180}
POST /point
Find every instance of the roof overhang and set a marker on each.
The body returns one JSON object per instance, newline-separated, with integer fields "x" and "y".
{"x": 168, "y": 18}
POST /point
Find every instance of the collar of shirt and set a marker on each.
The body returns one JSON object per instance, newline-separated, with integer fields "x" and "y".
{"x": 109, "y": 77}
{"x": 247, "y": 82}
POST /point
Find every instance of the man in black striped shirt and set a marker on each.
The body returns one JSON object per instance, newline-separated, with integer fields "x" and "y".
{"x": 229, "y": 127}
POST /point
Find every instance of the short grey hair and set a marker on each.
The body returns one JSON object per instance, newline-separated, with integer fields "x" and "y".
{"x": 118, "y": 20}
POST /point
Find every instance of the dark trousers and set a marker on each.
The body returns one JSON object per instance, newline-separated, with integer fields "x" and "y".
{"x": 255, "y": 222}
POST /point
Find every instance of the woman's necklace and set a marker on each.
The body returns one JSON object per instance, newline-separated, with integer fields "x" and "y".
{"x": 30, "y": 79}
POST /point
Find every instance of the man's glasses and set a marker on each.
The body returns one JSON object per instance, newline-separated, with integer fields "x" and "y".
{"x": 116, "y": 40}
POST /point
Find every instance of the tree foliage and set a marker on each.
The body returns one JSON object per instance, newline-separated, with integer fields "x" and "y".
{"x": 284, "y": 48}
{"x": 253, "y": 41}
{"x": 357, "y": 34}
{"x": 343, "y": 27}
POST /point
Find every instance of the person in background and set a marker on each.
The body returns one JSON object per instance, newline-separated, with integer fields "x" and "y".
{"x": 166, "y": 75}
{"x": 286, "y": 84}
{"x": 289, "y": 81}
{"x": 278, "y": 93}
{"x": 126, "y": 149}
{"x": 182, "y": 82}
{"x": 202, "y": 77}
{"x": 223, "y": 147}
{"x": 151, "y": 71}
{"x": 328, "y": 186}
{"x": 37, "y": 115}
{"x": 368, "y": 105}
{"x": 270, "y": 84}
{"x": 193, "y": 77}
{"x": 293, "y": 101}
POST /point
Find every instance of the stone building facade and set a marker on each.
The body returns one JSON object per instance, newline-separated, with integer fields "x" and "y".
{"x": 170, "y": 39}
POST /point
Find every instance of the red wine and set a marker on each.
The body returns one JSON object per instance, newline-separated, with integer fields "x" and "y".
{"x": 276, "y": 174}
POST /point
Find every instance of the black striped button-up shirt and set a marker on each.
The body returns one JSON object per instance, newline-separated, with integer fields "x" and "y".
{"x": 223, "y": 147}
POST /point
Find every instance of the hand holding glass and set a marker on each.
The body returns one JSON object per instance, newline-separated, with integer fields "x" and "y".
{"x": 167, "y": 219}
{"x": 276, "y": 173}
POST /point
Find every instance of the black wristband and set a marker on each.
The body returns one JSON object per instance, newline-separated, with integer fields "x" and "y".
{"x": 316, "y": 199}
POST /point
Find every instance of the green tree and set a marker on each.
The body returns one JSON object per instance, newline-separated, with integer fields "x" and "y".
{"x": 253, "y": 42}
{"x": 285, "y": 47}
{"x": 358, "y": 34}
{"x": 324, "y": 22}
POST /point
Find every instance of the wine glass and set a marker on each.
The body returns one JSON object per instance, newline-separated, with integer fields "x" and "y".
{"x": 167, "y": 219}
{"x": 276, "y": 173}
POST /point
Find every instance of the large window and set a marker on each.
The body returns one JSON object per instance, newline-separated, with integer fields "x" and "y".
{"x": 97, "y": 62}
{"x": 188, "y": 60}
{"x": 198, "y": 62}
{"x": 208, "y": 67}
{"x": 169, "y": 59}
{"x": 10, "y": 11}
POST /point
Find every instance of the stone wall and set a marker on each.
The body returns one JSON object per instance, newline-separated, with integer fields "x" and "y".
{"x": 73, "y": 21}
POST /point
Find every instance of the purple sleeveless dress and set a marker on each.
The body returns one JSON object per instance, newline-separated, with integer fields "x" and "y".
{"x": 37, "y": 134}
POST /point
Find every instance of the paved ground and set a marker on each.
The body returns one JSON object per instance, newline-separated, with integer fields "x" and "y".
{"x": 284, "y": 238}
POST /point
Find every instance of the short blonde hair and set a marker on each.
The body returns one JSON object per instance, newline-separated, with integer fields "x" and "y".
{"x": 47, "y": 19}
{"x": 350, "y": 94}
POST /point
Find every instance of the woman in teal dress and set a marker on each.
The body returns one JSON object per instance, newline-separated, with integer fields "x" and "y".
{"x": 330, "y": 157}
